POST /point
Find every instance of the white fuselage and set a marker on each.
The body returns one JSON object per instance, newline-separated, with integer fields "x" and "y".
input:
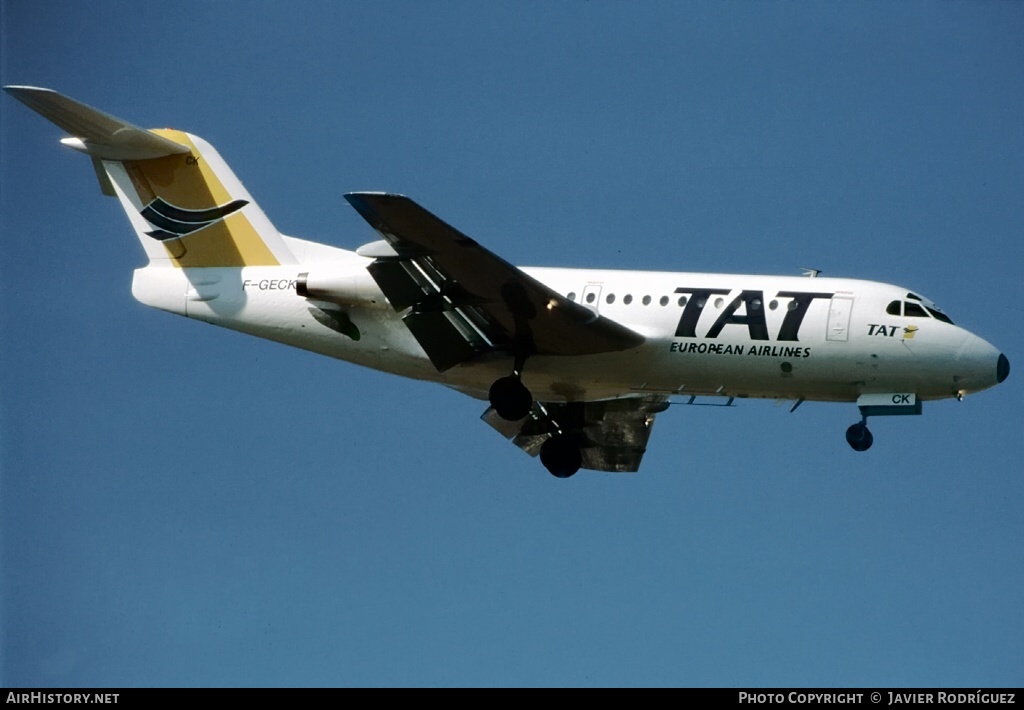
{"x": 731, "y": 335}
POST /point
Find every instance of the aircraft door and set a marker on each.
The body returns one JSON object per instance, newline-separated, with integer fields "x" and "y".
{"x": 591, "y": 296}
{"x": 838, "y": 329}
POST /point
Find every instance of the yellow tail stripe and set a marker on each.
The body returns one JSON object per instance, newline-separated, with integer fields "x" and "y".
{"x": 189, "y": 182}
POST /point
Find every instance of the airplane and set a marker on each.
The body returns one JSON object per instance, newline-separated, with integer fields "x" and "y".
{"x": 574, "y": 364}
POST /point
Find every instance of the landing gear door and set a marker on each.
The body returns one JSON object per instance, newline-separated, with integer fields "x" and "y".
{"x": 839, "y": 319}
{"x": 591, "y": 296}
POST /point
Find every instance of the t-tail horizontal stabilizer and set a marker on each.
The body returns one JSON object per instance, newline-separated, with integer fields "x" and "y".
{"x": 186, "y": 205}
{"x": 94, "y": 132}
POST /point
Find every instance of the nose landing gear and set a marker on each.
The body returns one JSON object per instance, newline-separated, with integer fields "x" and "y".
{"x": 879, "y": 404}
{"x": 859, "y": 437}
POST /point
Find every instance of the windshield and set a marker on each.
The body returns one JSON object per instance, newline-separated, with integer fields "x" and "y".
{"x": 916, "y": 308}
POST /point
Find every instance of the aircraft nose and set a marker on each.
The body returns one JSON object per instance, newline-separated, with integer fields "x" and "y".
{"x": 981, "y": 364}
{"x": 1002, "y": 368}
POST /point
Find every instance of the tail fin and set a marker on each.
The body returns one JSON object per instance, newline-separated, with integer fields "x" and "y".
{"x": 187, "y": 207}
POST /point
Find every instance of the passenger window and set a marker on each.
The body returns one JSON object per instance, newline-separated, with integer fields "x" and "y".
{"x": 664, "y": 300}
{"x": 611, "y": 298}
{"x": 590, "y": 297}
{"x": 914, "y": 310}
{"x": 627, "y": 299}
{"x": 895, "y": 308}
{"x": 647, "y": 300}
{"x": 572, "y": 296}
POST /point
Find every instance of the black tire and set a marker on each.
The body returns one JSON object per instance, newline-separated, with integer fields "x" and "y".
{"x": 510, "y": 398}
{"x": 859, "y": 437}
{"x": 561, "y": 456}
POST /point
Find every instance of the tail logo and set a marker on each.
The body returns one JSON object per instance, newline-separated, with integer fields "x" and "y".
{"x": 174, "y": 222}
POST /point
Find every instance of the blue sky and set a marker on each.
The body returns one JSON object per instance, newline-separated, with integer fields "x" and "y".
{"x": 183, "y": 505}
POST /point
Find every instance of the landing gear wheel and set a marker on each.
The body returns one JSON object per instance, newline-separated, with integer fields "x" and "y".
{"x": 510, "y": 398}
{"x": 859, "y": 437}
{"x": 561, "y": 456}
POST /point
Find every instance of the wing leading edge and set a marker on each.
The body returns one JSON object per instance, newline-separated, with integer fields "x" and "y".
{"x": 464, "y": 300}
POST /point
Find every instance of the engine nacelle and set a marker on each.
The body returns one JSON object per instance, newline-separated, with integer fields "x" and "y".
{"x": 353, "y": 288}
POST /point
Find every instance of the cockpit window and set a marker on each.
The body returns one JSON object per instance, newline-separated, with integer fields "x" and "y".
{"x": 939, "y": 315}
{"x": 914, "y": 310}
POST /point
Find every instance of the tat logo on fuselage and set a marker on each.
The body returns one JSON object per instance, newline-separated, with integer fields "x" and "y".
{"x": 753, "y": 317}
{"x": 889, "y": 331}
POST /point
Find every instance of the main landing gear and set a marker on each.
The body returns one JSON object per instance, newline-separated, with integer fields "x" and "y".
{"x": 510, "y": 398}
{"x": 561, "y": 453}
